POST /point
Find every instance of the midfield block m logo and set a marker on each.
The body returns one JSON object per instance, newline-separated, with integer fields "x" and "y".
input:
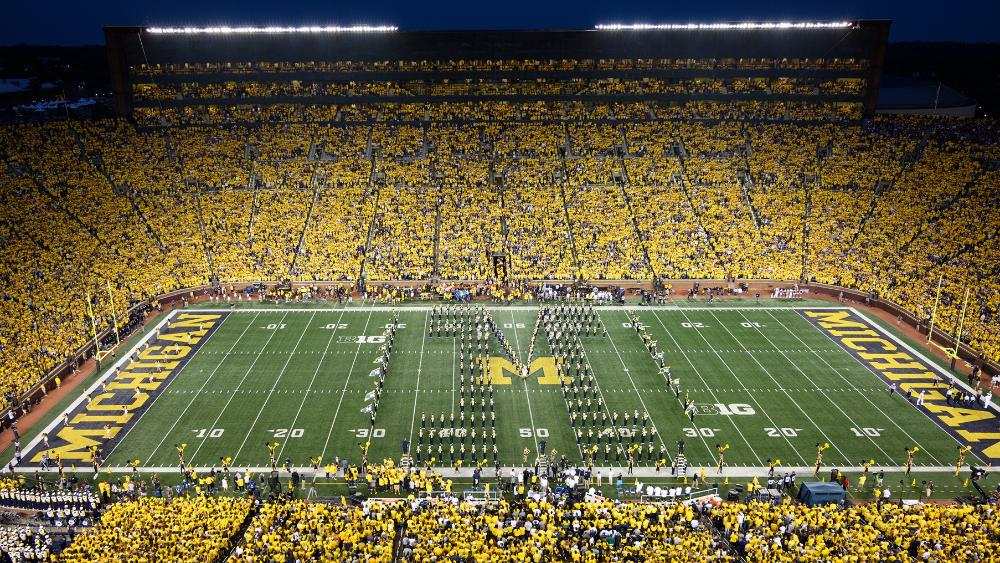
{"x": 500, "y": 369}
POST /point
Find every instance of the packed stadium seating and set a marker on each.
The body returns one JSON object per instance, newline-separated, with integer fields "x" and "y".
{"x": 591, "y": 169}
{"x": 525, "y": 527}
{"x": 153, "y": 529}
{"x": 597, "y": 190}
{"x": 885, "y": 532}
{"x": 537, "y": 530}
{"x": 315, "y": 531}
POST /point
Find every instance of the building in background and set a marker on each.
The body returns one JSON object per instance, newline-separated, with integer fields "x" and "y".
{"x": 900, "y": 95}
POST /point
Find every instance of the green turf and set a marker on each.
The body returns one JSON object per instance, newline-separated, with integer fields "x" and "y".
{"x": 308, "y": 376}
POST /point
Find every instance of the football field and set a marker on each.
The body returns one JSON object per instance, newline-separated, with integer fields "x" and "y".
{"x": 766, "y": 382}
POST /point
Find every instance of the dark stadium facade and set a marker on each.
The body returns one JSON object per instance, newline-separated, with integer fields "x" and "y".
{"x": 212, "y": 57}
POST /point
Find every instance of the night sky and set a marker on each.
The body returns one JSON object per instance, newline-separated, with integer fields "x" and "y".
{"x": 71, "y": 22}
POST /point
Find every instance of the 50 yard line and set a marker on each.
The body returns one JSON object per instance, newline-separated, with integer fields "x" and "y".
{"x": 527, "y": 398}
{"x": 597, "y": 387}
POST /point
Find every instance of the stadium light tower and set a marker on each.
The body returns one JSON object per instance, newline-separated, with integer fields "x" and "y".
{"x": 722, "y": 26}
{"x": 271, "y": 29}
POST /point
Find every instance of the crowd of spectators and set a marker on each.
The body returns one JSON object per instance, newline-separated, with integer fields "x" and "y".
{"x": 884, "y": 206}
{"x": 869, "y": 532}
{"x": 148, "y": 90}
{"x": 209, "y": 113}
{"x": 155, "y": 529}
{"x": 386, "y": 66}
{"x": 522, "y": 527}
{"x": 538, "y": 530}
{"x": 412, "y": 514}
{"x": 311, "y": 531}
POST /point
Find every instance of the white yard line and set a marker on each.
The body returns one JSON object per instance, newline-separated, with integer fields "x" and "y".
{"x": 343, "y": 391}
{"x": 322, "y": 358}
{"x": 527, "y": 396}
{"x": 634, "y": 387}
{"x": 846, "y": 380}
{"x": 200, "y": 389}
{"x": 517, "y": 341}
{"x": 454, "y": 344}
{"x": 274, "y": 386}
{"x": 715, "y": 397}
{"x": 531, "y": 419}
{"x": 260, "y": 353}
{"x": 420, "y": 367}
{"x": 813, "y": 383}
{"x": 109, "y": 373}
{"x": 768, "y": 373}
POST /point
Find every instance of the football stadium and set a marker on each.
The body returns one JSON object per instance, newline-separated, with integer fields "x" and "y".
{"x": 653, "y": 292}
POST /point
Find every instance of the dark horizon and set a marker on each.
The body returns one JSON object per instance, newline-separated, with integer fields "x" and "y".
{"x": 61, "y": 23}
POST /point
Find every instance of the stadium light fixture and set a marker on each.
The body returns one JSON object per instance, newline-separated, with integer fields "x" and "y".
{"x": 722, "y": 26}
{"x": 272, "y": 29}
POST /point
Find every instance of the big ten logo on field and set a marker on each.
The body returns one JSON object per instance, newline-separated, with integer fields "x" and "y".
{"x": 499, "y": 370}
{"x": 732, "y": 409}
{"x": 360, "y": 338}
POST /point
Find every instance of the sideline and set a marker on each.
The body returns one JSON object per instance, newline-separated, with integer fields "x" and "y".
{"x": 107, "y": 374}
{"x": 53, "y": 398}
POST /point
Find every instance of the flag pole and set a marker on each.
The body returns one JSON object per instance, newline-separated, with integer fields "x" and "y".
{"x": 93, "y": 329}
{"x": 114, "y": 316}
{"x": 961, "y": 327}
